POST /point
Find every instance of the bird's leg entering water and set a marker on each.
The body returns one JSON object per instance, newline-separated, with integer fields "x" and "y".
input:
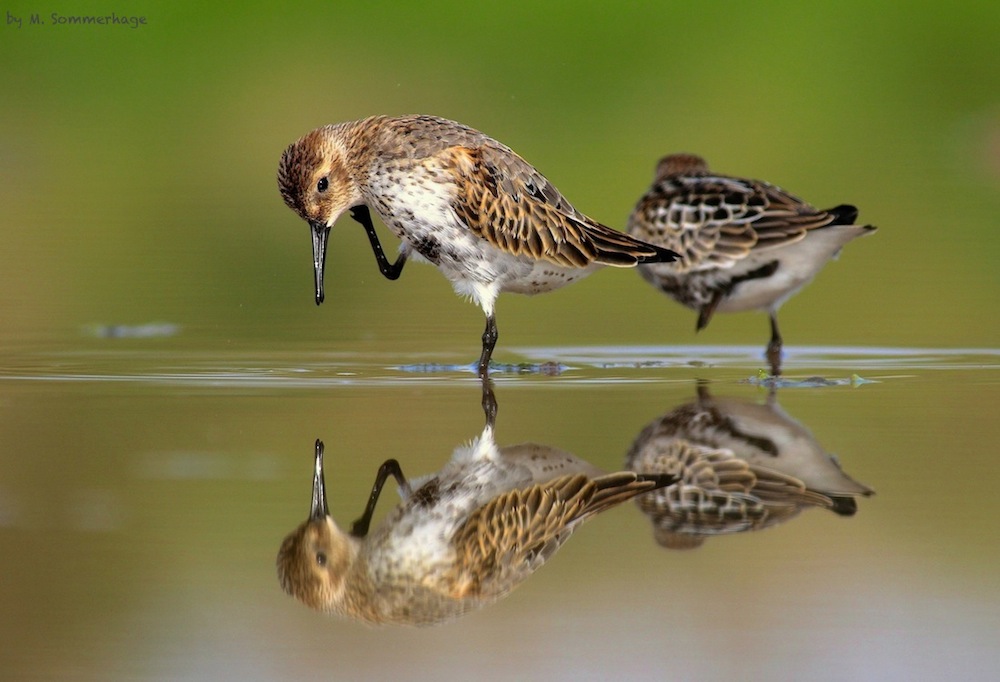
{"x": 774, "y": 347}
{"x": 390, "y": 467}
{"x": 490, "y": 335}
{"x": 390, "y": 270}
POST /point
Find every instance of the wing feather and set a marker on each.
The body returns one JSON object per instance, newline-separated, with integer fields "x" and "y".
{"x": 504, "y": 200}
{"x": 515, "y": 533}
{"x": 715, "y": 220}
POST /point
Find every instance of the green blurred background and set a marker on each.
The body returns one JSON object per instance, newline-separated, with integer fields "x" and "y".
{"x": 138, "y": 164}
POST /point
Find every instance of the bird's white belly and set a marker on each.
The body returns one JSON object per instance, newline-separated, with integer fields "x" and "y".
{"x": 422, "y": 217}
{"x": 765, "y": 293}
{"x": 798, "y": 264}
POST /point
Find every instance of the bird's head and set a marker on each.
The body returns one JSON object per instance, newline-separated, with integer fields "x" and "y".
{"x": 315, "y": 181}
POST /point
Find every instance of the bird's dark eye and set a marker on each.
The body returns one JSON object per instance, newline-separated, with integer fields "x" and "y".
{"x": 320, "y": 559}
{"x": 322, "y": 184}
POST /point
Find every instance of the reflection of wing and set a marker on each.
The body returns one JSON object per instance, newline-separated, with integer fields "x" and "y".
{"x": 504, "y": 200}
{"x": 742, "y": 466}
{"x": 511, "y": 536}
{"x": 718, "y": 494}
{"x": 766, "y": 435}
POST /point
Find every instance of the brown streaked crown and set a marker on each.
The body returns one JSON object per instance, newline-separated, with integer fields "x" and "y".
{"x": 292, "y": 572}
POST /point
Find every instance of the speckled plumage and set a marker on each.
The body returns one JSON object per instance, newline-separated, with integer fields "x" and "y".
{"x": 742, "y": 466}
{"x": 459, "y": 539}
{"x": 743, "y": 244}
{"x": 456, "y": 198}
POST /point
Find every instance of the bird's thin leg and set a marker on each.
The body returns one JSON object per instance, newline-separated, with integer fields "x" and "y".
{"x": 707, "y": 310}
{"x": 490, "y": 336}
{"x": 704, "y": 395}
{"x": 489, "y": 401}
{"x": 390, "y": 467}
{"x": 774, "y": 347}
{"x": 390, "y": 270}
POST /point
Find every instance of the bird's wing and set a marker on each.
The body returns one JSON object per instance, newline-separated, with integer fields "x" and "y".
{"x": 508, "y": 538}
{"x": 504, "y": 200}
{"x": 714, "y": 220}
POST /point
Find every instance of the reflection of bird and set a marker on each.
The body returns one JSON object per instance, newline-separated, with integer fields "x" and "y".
{"x": 743, "y": 244}
{"x": 742, "y": 466}
{"x": 460, "y": 538}
{"x": 457, "y": 199}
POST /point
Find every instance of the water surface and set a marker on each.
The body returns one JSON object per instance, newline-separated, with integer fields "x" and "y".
{"x": 143, "y": 495}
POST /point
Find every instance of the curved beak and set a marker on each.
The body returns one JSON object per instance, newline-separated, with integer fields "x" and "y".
{"x": 317, "y": 508}
{"x": 320, "y": 235}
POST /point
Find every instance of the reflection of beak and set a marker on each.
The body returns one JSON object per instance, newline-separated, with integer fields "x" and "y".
{"x": 320, "y": 234}
{"x": 317, "y": 508}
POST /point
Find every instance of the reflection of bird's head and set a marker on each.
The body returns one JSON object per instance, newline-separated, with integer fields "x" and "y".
{"x": 313, "y": 563}
{"x": 315, "y": 558}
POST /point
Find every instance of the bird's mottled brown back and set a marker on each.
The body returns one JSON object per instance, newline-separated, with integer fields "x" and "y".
{"x": 713, "y": 219}
{"x": 420, "y": 136}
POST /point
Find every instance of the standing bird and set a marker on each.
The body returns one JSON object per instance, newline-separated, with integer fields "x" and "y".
{"x": 743, "y": 244}
{"x": 457, "y": 199}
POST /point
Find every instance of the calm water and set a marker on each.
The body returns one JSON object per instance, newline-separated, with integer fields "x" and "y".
{"x": 145, "y": 488}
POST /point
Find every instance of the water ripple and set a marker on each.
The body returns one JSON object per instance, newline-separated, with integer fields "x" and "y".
{"x": 591, "y": 364}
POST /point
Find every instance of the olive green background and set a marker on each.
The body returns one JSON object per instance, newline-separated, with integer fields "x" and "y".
{"x": 139, "y": 164}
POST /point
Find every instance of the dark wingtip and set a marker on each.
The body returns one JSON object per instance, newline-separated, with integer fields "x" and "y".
{"x": 661, "y": 255}
{"x": 845, "y": 214}
{"x": 611, "y": 247}
{"x": 661, "y": 480}
{"x": 844, "y": 506}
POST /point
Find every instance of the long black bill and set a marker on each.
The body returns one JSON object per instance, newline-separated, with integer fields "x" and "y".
{"x": 317, "y": 508}
{"x": 320, "y": 235}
